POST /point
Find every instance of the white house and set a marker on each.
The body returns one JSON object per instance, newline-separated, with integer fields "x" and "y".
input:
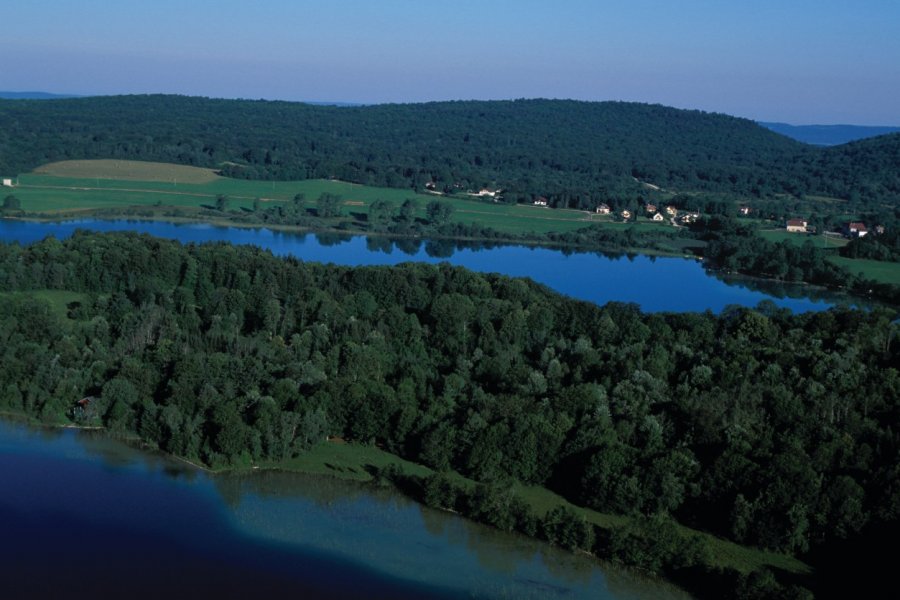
{"x": 658, "y": 217}
{"x": 7, "y": 182}
{"x": 626, "y": 214}
{"x": 796, "y": 226}
{"x": 856, "y": 229}
{"x": 603, "y": 209}
{"x": 540, "y": 201}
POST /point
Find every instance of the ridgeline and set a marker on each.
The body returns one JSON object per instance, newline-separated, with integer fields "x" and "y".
{"x": 576, "y": 154}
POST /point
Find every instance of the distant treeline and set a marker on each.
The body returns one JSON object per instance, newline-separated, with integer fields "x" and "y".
{"x": 767, "y": 428}
{"x": 577, "y": 154}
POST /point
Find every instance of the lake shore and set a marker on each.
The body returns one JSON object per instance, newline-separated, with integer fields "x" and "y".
{"x": 361, "y": 464}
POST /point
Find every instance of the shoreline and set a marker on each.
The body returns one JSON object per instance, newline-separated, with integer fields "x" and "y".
{"x": 225, "y": 223}
{"x": 800, "y": 567}
{"x": 298, "y": 229}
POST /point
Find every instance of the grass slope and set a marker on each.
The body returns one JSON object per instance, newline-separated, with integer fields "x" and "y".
{"x": 883, "y": 272}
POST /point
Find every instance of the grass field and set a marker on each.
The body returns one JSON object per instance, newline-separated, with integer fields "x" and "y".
{"x": 74, "y": 186}
{"x": 884, "y": 272}
{"x": 798, "y": 239}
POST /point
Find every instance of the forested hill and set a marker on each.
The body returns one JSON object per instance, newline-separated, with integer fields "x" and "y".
{"x": 863, "y": 170}
{"x": 549, "y": 144}
{"x": 576, "y": 153}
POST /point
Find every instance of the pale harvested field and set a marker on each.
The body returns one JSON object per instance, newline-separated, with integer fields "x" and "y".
{"x": 128, "y": 170}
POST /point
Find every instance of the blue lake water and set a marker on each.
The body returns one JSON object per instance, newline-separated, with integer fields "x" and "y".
{"x": 656, "y": 284}
{"x": 85, "y": 516}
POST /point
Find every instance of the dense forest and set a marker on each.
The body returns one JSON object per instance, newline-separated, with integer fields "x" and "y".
{"x": 577, "y": 154}
{"x": 770, "y": 429}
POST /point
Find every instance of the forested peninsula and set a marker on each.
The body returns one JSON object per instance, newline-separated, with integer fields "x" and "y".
{"x": 767, "y": 428}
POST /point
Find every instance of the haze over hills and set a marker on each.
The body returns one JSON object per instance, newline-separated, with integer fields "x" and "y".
{"x": 829, "y": 135}
{"x": 35, "y": 96}
{"x": 575, "y": 153}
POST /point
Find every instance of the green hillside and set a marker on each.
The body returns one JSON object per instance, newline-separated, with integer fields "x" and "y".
{"x": 575, "y": 153}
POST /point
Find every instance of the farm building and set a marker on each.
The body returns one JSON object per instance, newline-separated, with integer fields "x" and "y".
{"x": 856, "y": 229}
{"x": 796, "y": 226}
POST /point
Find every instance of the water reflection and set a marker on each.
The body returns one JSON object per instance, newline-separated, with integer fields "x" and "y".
{"x": 332, "y": 538}
{"x": 653, "y": 283}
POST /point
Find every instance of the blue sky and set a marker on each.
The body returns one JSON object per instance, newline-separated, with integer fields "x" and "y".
{"x": 799, "y": 61}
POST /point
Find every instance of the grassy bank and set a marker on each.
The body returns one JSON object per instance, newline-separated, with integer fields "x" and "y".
{"x": 358, "y": 463}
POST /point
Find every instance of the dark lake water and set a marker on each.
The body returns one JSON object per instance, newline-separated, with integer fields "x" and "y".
{"x": 656, "y": 284}
{"x": 85, "y": 516}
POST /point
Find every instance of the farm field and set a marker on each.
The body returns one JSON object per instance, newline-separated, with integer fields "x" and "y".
{"x": 798, "y": 239}
{"x": 75, "y": 186}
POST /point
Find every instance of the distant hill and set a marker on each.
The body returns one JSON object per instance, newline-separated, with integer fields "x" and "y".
{"x": 829, "y": 135}
{"x": 577, "y": 154}
{"x": 34, "y": 96}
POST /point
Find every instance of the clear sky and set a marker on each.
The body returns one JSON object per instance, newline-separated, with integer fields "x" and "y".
{"x": 798, "y": 61}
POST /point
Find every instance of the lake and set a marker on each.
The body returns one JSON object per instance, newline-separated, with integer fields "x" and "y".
{"x": 654, "y": 283}
{"x": 88, "y": 516}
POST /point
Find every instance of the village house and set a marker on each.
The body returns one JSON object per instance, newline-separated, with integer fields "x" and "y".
{"x": 744, "y": 210}
{"x": 603, "y": 209}
{"x": 540, "y": 201}
{"x": 430, "y": 186}
{"x": 879, "y": 230}
{"x": 650, "y": 208}
{"x": 658, "y": 217}
{"x": 855, "y": 229}
{"x": 7, "y": 182}
{"x": 796, "y": 226}
{"x": 689, "y": 217}
{"x": 626, "y": 214}
{"x": 671, "y": 211}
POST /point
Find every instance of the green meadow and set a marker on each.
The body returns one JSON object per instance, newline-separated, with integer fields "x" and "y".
{"x": 85, "y": 186}
{"x": 883, "y": 272}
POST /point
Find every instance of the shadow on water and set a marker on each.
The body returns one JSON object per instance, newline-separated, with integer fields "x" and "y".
{"x": 105, "y": 519}
{"x": 654, "y": 283}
